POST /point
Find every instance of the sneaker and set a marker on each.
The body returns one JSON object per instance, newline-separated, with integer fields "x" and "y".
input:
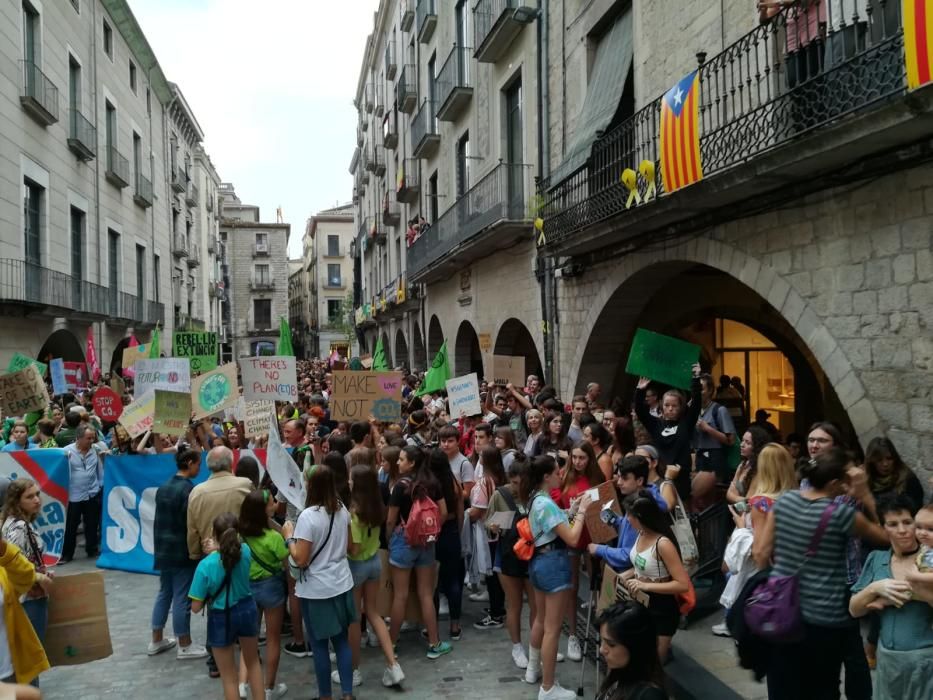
{"x": 456, "y": 634}
{"x": 243, "y": 690}
{"x": 159, "y": 647}
{"x": 357, "y": 677}
{"x": 212, "y": 670}
{"x": 407, "y": 627}
{"x": 192, "y": 651}
{"x": 372, "y": 641}
{"x": 261, "y": 640}
{"x": 481, "y": 597}
{"x": 439, "y": 649}
{"x": 519, "y": 657}
{"x": 574, "y": 653}
{"x": 560, "y": 657}
{"x": 555, "y": 692}
{"x": 443, "y": 608}
{"x": 393, "y": 675}
{"x": 532, "y": 673}
{"x": 489, "y": 623}
{"x": 721, "y": 630}
{"x": 276, "y": 692}
{"x": 299, "y": 651}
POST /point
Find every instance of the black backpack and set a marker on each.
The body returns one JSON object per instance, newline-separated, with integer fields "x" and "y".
{"x": 511, "y": 564}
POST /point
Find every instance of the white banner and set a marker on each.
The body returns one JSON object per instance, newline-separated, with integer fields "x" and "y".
{"x": 165, "y": 374}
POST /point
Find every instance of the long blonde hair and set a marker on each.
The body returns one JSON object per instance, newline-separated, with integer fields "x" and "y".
{"x": 775, "y": 472}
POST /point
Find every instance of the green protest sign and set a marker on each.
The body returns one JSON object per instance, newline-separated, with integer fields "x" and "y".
{"x": 200, "y": 348}
{"x": 172, "y": 412}
{"x": 20, "y": 361}
{"x": 662, "y": 358}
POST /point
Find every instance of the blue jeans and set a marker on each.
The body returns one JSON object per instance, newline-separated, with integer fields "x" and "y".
{"x": 173, "y": 593}
{"x": 322, "y": 658}
{"x": 37, "y": 610}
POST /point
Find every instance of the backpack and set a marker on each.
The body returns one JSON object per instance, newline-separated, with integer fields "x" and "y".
{"x": 424, "y": 521}
{"x": 508, "y": 538}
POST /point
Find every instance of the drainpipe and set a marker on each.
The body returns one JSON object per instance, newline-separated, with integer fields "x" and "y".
{"x": 99, "y": 345}
{"x": 544, "y": 264}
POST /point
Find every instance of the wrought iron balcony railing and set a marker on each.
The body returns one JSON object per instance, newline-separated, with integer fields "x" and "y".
{"x": 118, "y": 168}
{"x": 455, "y": 84}
{"x": 406, "y": 89}
{"x": 425, "y": 137}
{"x": 408, "y": 180}
{"x": 380, "y": 99}
{"x": 39, "y": 96}
{"x": 143, "y": 194}
{"x": 391, "y": 212}
{"x": 179, "y": 180}
{"x": 179, "y": 246}
{"x": 82, "y": 138}
{"x": 391, "y": 66}
{"x": 426, "y": 20}
{"x": 390, "y": 129}
{"x": 496, "y": 23}
{"x": 194, "y": 255}
{"x": 192, "y": 194}
{"x": 406, "y": 14}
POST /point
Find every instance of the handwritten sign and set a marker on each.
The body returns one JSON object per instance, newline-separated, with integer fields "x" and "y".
{"x": 214, "y": 391}
{"x": 200, "y": 348}
{"x": 138, "y": 416}
{"x": 463, "y": 395}
{"x": 23, "y": 392}
{"x": 256, "y": 416}
{"x": 508, "y": 369}
{"x": 356, "y": 395}
{"x": 165, "y": 374}
{"x": 134, "y": 353}
{"x": 172, "y": 412}
{"x": 57, "y": 369}
{"x": 485, "y": 342}
{"x": 613, "y": 590}
{"x": 19, "y": 361}
{"x": 600, "y": 532}
{"x": 107, "y": 404}
{"x": 270, "y": 378}
{"x": 662, "y": 358}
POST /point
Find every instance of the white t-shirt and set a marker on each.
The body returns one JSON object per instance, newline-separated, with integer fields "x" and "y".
{"x": 6, "y": 658}
{"x": 461, "y": 468}
{"x": 329, "y": 573}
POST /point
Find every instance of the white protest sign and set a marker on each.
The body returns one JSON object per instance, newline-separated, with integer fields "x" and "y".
{"x": 138, "y": 416}
{"x": 256, "y": 417}
{"x": 463, "y": 396}
{"x": 165, "y": 374}
{"x": 271, "y": 378}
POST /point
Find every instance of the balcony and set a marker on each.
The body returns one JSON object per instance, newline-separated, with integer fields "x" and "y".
{"x": 49, "y": 292}
{"x": 194, "y": 255}
{"x": 82, "y": 139}
{"x": 454, "y": 84}
{"x": 261, "y": 283}
{"x": 192, "y": 195}
{"x": 391, "y": 66}
{"x": 424, "y": 134}
{"x": 39, "y": 96}
{"x": 391, "y": 212}
{"x": 334, "y": 284}
{"x": 366, "y": 160}
{"x": 143, "y": 194}
{"x": 179, "y": 246}
{"x": 493, "y": 215}
{"x": 496, "y": 24}
{"x": 369, "y": 99}
{"x": 359, "y": 135}
{"x": 408, "y": 181}
{"x": 390, "y": 130}
{"x": 179, "y": 180}
{"x": 426, "y": 18}
{"x": 209, "y": 203}
{"x": 378, "y": 161}
{"x": 406, "y": 89}
{"x": 211, "y": 244}
{"x": 376, "y": 230}
{"x": 118, "y": 168}
{"x": 765, "y": 129}
{"x": 406, "y": 14}
{"x": 380, "y": 99}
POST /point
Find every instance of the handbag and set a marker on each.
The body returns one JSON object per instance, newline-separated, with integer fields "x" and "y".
{"x": 772, "y": 611}
{"x": 683, "y": 531}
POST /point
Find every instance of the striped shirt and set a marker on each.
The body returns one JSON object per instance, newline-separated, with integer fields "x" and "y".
{"x": 823, "y": 588}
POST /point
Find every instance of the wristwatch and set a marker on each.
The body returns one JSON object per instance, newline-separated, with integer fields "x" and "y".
{"x": 289, "y": 540}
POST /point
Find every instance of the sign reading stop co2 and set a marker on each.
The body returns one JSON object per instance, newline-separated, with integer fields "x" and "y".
{"x": 107, "y": 404}
{"x": 165, "y": 374}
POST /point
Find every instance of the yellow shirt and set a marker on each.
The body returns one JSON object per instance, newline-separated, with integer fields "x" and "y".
{"x": 17, "y": 575}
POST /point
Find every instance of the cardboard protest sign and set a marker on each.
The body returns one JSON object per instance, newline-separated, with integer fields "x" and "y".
{"x": 508, "y": 369}
{"x": 200, "y": 348}
{"x": 23, "y": 392}
{"x": 485, "y": 342}
{"x": 57, "y": 369}
{"x": 117, "y": 384}
{"x": 138, "y": 416}
{"x": 269, "y": 378}
{"x": 256, "y": 417}
{"x": 165, "y": 374}
{"x": 214, "y": 391}
{"x": 19, "y": 361}
{"x": 356, "y": 395}
{"x": 78, "y": 630}
{"x": 662, "y": 358}
{"x": 387, "y": 592}
{"x": 49, "y": 469}
{"x": 172, "y": 412}
{"x": 613, "y": 590}
{"x": 600, "y": 532}
{"x": 134, "y": 353}
{"x": 463, "y": 395}
{"x": 108, "y": 405}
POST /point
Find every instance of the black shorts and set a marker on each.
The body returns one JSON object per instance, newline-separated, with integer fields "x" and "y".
{"x": 665, "y": 612}
{"x": 713, "y": 460}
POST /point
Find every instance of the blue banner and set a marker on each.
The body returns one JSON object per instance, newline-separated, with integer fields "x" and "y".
{"x": 49, "y": 469}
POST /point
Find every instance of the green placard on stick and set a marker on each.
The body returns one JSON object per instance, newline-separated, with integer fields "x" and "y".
{"x": 199, "y": 347}
{"x": 20, "y": 361}
{"x": 662, "y": 358}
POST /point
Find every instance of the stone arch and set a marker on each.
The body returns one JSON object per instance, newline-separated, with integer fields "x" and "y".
{"x": 116, "y": 359}
{"x": 387, "y": 348}
{"x": 514, "y": 338}
{"x": 420, "y": 359}
{"x": 401, "y": 349}
{"x": 435, "y": 337}
{"x": 752, "y": 293}
{"x": 467, "y": 354}
{"x": 62, "y": 343}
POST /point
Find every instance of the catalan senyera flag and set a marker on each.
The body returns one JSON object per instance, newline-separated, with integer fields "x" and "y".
{"x": 680, "y": 134}
{"x": 918, "y": 41}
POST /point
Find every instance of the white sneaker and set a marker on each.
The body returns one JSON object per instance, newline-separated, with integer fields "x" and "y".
{"x": 393, "y": 675}
{"x": 481, "y": 597}
{"x": 518, "y": 656}
{"x": 333, "y": 657}
{"x": 555, "y": 692}
{"x": 372, "y": 641}
{"x": 407, "y": 627}
{"x": 357, "y": 677}
{"x": 192, "y": 651}
{"x": 721, "y": 630}
{"x": 574, "y": 653}
{"x": 532, "y": 673}
{"x": 443, "y": 607}
{"x": 560, "y": 657}
{"x": 276, "y": 692}
{"x": 159, "y": 647}
{"x": 243, "y": 690}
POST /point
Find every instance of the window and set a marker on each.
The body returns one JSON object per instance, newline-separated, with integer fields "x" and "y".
{"x": 333, "y": 246}
{"x": 148, "y": 101}
{"x": 113, "y": 258}
{"x": 140, "y": 279}
{"x": 31, "y": 35}
{"x": 432, "y": 80}
{"x": 333, "y": 310}
{"x": 133, "y": 77}
{"x": 108, "y": 40}
{"x": 77, "y": 243}
{"x": 111, "y": 136}
{"x": 32, "y": 216}
{"x": 463, "y": 164}
{"x": 262, "y": 313}
{"x": 74, "y": 84}
{"x": 333, "y": 275}
{"x": 262, "y": 243}
{"x": 156, "y": 277}
{"x": 262, "y": 275}
{"x": 137, "y": 157}
{"x": 432, "y": 198}
{"x": 77, "y": 5}
{"x": 461, "y": 14}
{"x": 514, "y": 138}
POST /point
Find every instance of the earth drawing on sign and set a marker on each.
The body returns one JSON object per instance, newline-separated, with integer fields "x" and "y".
{"x": 214, "y": 392}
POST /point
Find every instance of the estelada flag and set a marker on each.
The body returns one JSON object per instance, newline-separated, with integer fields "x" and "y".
{"x": 918, "y": 41}
{"x": 680, "y": 134}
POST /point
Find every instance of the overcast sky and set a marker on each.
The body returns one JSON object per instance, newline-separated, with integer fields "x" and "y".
{"x": 272, "y": 86}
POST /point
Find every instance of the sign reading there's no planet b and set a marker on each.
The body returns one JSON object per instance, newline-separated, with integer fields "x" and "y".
{"x": 214, "y": 391}
{"x": 269, "y": 378}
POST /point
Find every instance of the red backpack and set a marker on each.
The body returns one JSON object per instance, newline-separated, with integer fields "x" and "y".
{"x": 424, "y": 521}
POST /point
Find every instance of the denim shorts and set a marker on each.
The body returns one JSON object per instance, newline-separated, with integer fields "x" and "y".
{"x": 404, "y": 556}
{"x": 550, "y": 571}
{"x": 365, "y": 570}
{"x": 269, "y": 592}
{"x": 225, "y": 627}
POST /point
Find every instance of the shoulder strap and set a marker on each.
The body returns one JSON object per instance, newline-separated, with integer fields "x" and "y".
{"x": 820, "y": 530}
{"x": 265, "y": 565}
{"x": 223, "y": 585}
{"x": 330, "y": 528}
{"x": 507, "y": 497}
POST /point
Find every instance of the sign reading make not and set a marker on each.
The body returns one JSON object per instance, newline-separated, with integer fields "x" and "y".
{"x": 357, "y": 395}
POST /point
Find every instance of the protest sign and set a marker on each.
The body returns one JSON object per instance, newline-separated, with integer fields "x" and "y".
{"x": 165, "y": 374}
{"x": 78, "y": 630}
{"x": 133, "y": 353}
{"x": 75, "y": 375}
{"x": 200, "y": 348}
{"x": 662, "y": 358}
{"x": 282, "y": 469}
{"x": 107, "y": 404}
{"x": 19, "y": 361}
{"x": 117, "y": 384}
{"x": 49, "y": 469}
{"x": 613, "y": 590}
{"x": 387, "y": 593}
{"x": 138, "y": 416}
{"x": 600, "y": 532}
{"x": 214, "y": 391}
{"x": 485, "y": 342}
{"x": 508, "y": 369}
{"x": 256, "y": 417}
{"x": 463, "y": 396}
{"x": 356, "y": 395}
{"x": 57, "y": 370}
{"x": 172, "y": 412}
{"x": 271, "y": 378}
{"x": 22, "y": 392}
{"x": 237, "y": 411}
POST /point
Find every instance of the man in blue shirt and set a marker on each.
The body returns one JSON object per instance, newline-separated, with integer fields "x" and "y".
{"x": 19, "y": 438}
{"x": 84, "y": 493}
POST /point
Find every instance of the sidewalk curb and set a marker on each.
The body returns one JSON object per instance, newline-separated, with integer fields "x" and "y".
{"x": 691, "y": 681}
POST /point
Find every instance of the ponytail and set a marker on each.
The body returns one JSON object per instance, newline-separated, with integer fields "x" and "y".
{"x": 228, "y": 540}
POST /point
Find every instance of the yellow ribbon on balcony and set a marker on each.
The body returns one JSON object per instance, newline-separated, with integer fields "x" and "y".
{"x": 539, "y": 227}
{"x": 400, "y": 292}
{"x": 646, "y": 168}
{"x": 630, "y": 180}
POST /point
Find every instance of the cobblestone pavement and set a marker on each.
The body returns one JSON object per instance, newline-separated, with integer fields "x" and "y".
{"x": 480, "y": 665}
